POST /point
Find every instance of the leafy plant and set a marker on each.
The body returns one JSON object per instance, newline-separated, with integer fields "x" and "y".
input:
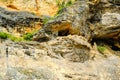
{"x": 28, "y": 36}
{"x": 16, "y": 39}
{"x": 4, "y": 35}
{"x": 101, "y": 49}
{"x": 45, "y": 20}
{"x": 63, "y": 4}
{"x": 25, "y": 37}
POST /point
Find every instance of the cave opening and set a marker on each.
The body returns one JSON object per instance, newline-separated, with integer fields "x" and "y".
{"x": 109, "y": 42}
{"x": 63, "y": 32}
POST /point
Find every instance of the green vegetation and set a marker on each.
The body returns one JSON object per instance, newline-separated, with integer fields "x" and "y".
{"x": 45, "y": 20}
{"x": 25, "y": 37}
{"x": 63, "y": 4}
{"x": 101, "y": 49}
{"x": 28, "y": 36}
{"x": 4, "y": 35}
{"x": 16, "y": 39}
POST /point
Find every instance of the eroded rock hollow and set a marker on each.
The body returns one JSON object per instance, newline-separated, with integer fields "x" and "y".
{"x": 82, "y": 42}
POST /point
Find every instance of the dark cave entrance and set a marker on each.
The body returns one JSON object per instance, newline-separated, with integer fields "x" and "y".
{"x": 63, "y": 32}
{"x": 109, "y": 42}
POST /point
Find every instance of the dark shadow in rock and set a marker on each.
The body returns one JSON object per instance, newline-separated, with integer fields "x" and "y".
{"x": 63, "y": 33}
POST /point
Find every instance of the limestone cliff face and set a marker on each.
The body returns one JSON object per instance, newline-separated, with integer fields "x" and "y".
{"x": 81, "y": 43}
{"x": 18, "y": 22}
{"x": 40, "y": 7}
{"x": 85, "y": 19}
{"x": 64, "y": 58}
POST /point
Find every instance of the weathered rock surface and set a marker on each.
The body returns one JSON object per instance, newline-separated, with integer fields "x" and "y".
{"x": 115, "y": 1}
{"x": 85, "y": 20}
{"x": 106, "y": 19}
{"x": 16, "y": 19}
{"x": 109, "y": 25}
{"x": 72, "y": 20}
{"x": 73, "y": 48}
{"x": 64, "y": 58}
{"x": 69, "y": 56}
{"x": 44, "y": 7}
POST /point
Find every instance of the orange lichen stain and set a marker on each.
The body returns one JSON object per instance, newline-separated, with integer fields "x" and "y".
{"x": 53, "y": 10}
{"x": 59, "y": 27}
{"x": 38, "y": 7}
{"x": 25, "y": 30}
{"x": 31, "y": 29}
{"x": 12, "y": 7}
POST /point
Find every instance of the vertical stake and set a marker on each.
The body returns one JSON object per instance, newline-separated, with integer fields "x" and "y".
{"x": 7, "y": 65}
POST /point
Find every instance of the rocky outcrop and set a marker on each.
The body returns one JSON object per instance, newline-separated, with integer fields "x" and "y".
{"x": 81, "y": 43}
{"x": 64, "y": 58}
{"x": 72, "y": 48}
{"x": 72, "y": 20}
{"x": 109, "y": 25}
{"x": 106, "y": 19}
{"x": 86, "y": 20}
{"x": 114, "y": 1}
{"x": 44, "y": 7}
{"x": 16, "y": 19}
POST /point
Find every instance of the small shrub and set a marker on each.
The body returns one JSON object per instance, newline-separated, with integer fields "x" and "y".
{"x": 45, "y": 20}
{"x": 4, "y": 35}
{"x": 101, "y": 49}
{"x": 28, "y": 36}
{"x": 63, "y": 4}
{"x": 16, "y": 39}
{"x": 25, "y": 37}
{"x": 69, "y": 3}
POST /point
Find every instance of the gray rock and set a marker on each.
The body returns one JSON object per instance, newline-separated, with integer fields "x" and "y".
{"x": 68, "y": 57}
{"x": 65, "y": 58}
{"x": 114, "y": 1}
{"x": 109, "y": 25}
{"x": 17, "y": 19}
{"x": 85, "y": 20}
{"x": 71, "y": 20}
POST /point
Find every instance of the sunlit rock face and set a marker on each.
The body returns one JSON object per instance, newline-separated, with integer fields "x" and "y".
{"x": 81, "y": 43}
{"x": 71, "y": 20}
{"x": 82, "y": 18}
{"x": 64, "y": 58}
{"x": 18, "y": 22}
{"x": 37, "y": 7}
{"x": 115, "y": 1}
{"x": 110, "y": 23}
{"x": 107, "y": 20}
{"x": 40, "y": 7}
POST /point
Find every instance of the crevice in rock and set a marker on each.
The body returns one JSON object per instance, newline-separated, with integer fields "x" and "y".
{"x": 63, "y": 32}
{"x": 109, "y": 42}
